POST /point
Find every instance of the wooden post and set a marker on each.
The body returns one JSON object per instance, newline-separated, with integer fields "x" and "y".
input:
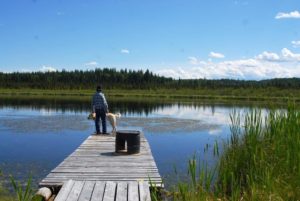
{"x": 43, "y": 194}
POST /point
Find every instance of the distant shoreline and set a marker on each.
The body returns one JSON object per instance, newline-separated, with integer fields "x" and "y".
{"x": 269, "y": 95}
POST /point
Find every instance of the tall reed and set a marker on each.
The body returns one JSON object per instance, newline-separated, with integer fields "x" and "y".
{"x": 23, "y": 194}
{"x": 200, "y": 183}
{"x": 262, "y": 159}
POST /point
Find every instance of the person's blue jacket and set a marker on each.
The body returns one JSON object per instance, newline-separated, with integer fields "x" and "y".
{"x": 99, "y": 102}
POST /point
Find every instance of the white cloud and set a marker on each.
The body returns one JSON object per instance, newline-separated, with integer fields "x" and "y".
{"x": 234, "y": 71}
{"x": 168, "y": 72}
{"x": 23, "y": 70}
{"x": 268, "y": 56}
{"x": 48, "y": 69}
{"x": 125, "y": 51}
{"x": 216, "y": 55}
{"x": 91, "y": 64}
{"x": 296, "y": 43}
{"x": 293, "y": 14}
{"x": 195, "y": 61}
{"x": 264, "y": 66}
{"x": 289, "y": 55}
{"x": 242, "y": 62}
{"x": 176, "y": 73}
{"x": 286, "y": 56}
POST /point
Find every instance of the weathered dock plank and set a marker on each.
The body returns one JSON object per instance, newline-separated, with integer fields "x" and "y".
{"x": 87, "y": 191}
{"x": 133, "y": 191}
{"x": 110, "y": 191}
{"x": 121, "y": 194}
{"x": 75, "y": 191}
{"x": 65, "y": 191}
{"x": 104, "y": 191}
{"x": 144, "y": 191}
{"x": 95, "y": 160}
{"x": 98, "y": 191}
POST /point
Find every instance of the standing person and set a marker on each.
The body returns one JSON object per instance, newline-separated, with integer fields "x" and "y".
{"x": 100, "y": 108}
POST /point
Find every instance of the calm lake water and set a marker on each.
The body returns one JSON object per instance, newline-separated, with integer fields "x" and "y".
{"x": 36, "y": 135}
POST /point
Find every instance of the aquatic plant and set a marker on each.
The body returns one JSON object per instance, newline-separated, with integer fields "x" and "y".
{"x": 262, "y": 159}
{"x": 22, "y": 194}
{"x": 199, "y": 185}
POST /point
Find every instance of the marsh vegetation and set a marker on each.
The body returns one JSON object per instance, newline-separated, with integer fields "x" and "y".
{"x": 261, "y": 161}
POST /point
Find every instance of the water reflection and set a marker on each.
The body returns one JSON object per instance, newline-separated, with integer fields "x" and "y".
{"x": 124, "y": 106}
{"x": 69, "y": 104}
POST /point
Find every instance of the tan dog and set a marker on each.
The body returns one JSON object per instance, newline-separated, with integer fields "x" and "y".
{"x": 113, "y": 120}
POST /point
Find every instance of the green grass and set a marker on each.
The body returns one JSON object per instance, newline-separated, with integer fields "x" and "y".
{"x": 223, "y": 94}
{"x": 261, "y": 161}
{"x": 22, "y": 193}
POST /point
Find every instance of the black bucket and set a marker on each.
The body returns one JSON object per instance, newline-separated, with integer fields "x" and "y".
{"x": 132, "y": 138}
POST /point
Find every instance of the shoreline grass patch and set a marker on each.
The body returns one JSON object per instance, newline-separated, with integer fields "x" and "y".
{"x": 262, "y": 158}
{"x": 265, "y": 95}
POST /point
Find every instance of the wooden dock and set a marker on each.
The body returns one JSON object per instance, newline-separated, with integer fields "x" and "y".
{"x": 104, "y": 191}
{"x": 95, "y": 164}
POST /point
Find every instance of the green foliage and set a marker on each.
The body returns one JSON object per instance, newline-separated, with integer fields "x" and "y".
{"x": 155, "y": 192}
{"x": 22, "y": 194}
{"x": 78, "y": 79}
{"x": 262, "y": 158}
{"x": 132, "y": 79}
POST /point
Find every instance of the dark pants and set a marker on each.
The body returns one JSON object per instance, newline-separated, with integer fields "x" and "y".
{"x": 100, "y": 114}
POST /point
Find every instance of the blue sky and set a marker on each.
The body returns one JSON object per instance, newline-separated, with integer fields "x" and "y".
{"x": 180, "y": 38}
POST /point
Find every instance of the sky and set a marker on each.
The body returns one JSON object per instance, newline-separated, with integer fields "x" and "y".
{"x": 212, "y": 39}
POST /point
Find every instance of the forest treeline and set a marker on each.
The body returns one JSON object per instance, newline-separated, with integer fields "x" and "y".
{"x": 111, "y": 78}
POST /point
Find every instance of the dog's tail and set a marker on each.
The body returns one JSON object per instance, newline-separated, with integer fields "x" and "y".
{"x": 118, "y": 115}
